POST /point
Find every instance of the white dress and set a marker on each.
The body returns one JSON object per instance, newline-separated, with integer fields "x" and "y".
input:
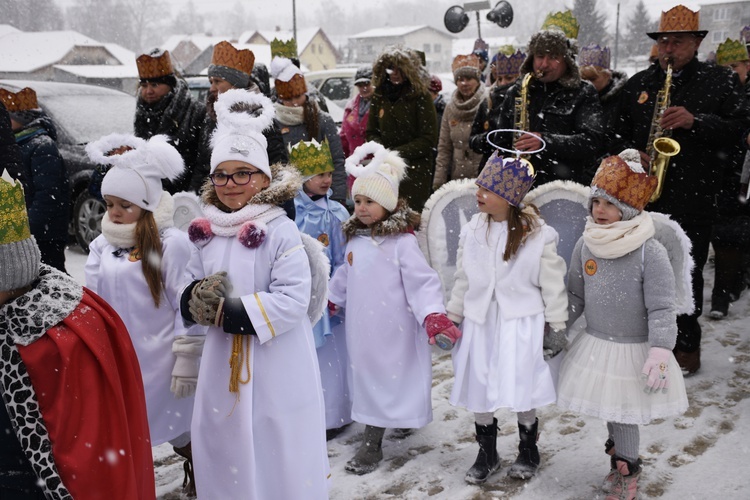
{"x": 119, "y": 280}
{"x": 388, "y": 289}
{"x": 498, "y": 362}
{"x": 268, "y": 442}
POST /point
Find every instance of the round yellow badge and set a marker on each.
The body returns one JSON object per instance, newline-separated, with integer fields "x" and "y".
{"x": 590, "y": 267}
{"x": 643, "y": 97}
{"x": 350, "y": 259}
{"x": 382, "y": 112}
{"x": 323, "y": 238}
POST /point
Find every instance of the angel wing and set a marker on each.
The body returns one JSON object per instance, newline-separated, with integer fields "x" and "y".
{"x": 564, "y": 206}
{"x": 673, "y": 237}
{"x": 320, "y": 269}
{"x": 447, "y": 210}
{"x": 186, "y": 208}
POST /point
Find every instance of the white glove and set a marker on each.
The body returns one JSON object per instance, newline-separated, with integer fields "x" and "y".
{"x": 188, "y": 350}
{"x": 655, "y": 373}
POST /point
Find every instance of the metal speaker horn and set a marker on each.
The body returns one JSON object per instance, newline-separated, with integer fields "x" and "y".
{"x": 455, "y": 19}
{"x": 501, "y": 14}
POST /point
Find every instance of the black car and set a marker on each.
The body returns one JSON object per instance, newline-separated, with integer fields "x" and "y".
{"x": 81, "y": 113}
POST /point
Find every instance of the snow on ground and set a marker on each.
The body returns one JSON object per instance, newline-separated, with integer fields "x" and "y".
{"x": 701, "y": 454}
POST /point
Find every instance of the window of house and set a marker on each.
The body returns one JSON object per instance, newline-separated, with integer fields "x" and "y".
{"x": 426, "y": 48}
{"x": 721, "y": 13}
{"x": 720, "y": 36}
{"x": 438, "y": 48}
{"x": 312, "y": 48}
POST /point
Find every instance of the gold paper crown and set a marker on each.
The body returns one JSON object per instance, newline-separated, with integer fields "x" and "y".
{"x": 731, "y": 51}
{"x": 679, "y": 19}
{"x": 311, "y": 158}
{"x": 466, "y": 61}
{"x": 616, "y": 178}
{"x": 562, "y": 21}
{"x": 226, "y": 55}
{"x": 286, "y": 49}
{"x": 14, "y": 221}
{"x": 294, "y": 87}
{"x": 507, "y": 50}
{"x": 20, "y": 101}
{"x": 154, "y": 67}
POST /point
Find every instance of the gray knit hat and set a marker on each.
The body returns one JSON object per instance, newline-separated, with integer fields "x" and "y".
{"x": 19, "y": 254}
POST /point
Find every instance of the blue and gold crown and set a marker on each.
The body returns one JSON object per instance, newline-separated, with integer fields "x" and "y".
{"x": 593, "y": 55}
{"x": 745, "y": 34}
{"x": 562, "y": 21}
{"x": 509, "y": 178}
{"x": 311, "y": 158}
{"x": 509, "y": 64}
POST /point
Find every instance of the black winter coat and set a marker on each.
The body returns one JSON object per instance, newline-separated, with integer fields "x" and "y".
{"x": 10, "y": 156}
{"x": 570, "y": 121}
{"x": 715, "y": 96}
{"x": 487, "y": 120}
{"x": 180, "y": 117}
{"x": 49, "y": 214}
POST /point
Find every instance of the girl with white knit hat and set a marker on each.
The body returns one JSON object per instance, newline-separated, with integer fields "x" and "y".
{"x": 391, "y": 296}
{"x": 139, "y": 265}
{"x": 621, "y": 369}
{"x": 259, "y": 424}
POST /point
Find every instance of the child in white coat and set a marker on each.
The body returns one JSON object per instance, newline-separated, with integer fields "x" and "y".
{"x": 139, "y": 265}
{"x": 621, "y": 278}
{"x": 321, "y": 217}
{"x": 258, "y": 424}
{"x": 509, "y": 286}
{"x": 389, "y": 292}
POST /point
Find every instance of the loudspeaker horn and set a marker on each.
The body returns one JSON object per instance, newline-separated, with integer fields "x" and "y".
{"x": 501, "y": 14}
{"x": 455, "y": 19}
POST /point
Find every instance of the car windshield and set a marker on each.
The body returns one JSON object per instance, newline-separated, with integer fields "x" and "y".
{"x": 86, "y": 118}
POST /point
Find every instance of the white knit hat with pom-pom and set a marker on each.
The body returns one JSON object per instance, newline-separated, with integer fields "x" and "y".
{"x": 241, "y": 118}
{"x": 137, "y": 171}
{"x": 378, "y": 179}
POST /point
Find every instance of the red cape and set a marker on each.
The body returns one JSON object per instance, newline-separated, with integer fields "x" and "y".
{"x": 88, "y": 383}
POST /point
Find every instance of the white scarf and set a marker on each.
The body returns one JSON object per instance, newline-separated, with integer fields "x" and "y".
{"x": 228, "y": 224}
{"x": 611, "y": 241}
{"x": 289, "y": 115}
{"x": 123, "y": 235}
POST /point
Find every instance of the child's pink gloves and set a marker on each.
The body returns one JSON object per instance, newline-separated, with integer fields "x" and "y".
{"x": 441, "y": 330}
{"x": 655, "y": 373}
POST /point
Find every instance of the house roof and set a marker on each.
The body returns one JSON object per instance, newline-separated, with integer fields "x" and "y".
{"x": 99, "y": 70}
{"x": 304, "y": 36}
{"x": 7, "y": 28}
{"x": 395, "y": 31}
{"x": 199, "y": 40}
{"x": 24, "y": 52}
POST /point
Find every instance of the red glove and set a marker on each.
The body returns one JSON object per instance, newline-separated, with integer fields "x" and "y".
{"x": 333, "y": 309}
{"x": 438, "y": 323}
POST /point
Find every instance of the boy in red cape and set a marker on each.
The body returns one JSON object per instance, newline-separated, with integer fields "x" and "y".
{"x": 73, "y": 423}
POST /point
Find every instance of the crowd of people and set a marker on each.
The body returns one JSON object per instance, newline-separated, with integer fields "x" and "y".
{"x": 220, "y": 341}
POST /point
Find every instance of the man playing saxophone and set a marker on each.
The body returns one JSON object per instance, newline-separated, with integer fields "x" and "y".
{"x": 552, "y": 103}
{"x": 706, "y": 114}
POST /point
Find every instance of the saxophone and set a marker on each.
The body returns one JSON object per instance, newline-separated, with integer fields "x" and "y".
{"x": 521, "y": 107}
{"x": 660, "y": 146}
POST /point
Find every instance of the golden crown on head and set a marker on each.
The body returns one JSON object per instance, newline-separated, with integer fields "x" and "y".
{"x": 14, "y": 221}
{"x": 311, "y": 158}
{"x": 154, "y": 67}
{"x": 562, "y": 21}
{"x": 616, "y": 177}
{"x": 286, "y": 49}
{"x": 470, "y": 61}
{"x": 731, "y": 51}
{"x": 226, "y": 55}
{"x": 22, "y": 100}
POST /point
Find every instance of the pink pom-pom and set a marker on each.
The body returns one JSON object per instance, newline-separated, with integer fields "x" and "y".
{"x": 252, "y": 234}
{"x": 199, "y": 231}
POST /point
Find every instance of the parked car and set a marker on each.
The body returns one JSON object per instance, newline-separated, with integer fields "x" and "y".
{"x": 81, "y": 113}
{"x": 336, "y": 85}
{"x": 199, "y": 87}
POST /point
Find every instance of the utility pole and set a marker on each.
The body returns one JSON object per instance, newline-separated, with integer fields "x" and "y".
{"x": 617, "y": 34}
{"x": 294, "y": 19}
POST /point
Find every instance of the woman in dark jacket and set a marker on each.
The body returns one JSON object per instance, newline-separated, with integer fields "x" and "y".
{"x": 403, "y": 119}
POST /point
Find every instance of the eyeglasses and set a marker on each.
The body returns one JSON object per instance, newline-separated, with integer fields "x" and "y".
{"x": 240, "y": 178}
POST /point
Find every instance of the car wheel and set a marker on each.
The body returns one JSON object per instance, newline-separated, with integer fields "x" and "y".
{"x": 87, "y": 218}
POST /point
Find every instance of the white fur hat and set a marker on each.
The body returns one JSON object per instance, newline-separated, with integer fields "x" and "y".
{"x": 241, "y": 118}
{"x": 136, "y": 174}
{"x": 378, "y": 179}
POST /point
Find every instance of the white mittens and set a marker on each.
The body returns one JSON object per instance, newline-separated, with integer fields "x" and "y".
{"x": 187, "y": 349}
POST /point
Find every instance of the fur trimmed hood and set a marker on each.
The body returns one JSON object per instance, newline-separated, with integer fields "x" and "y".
{"x": 409, "y": 64}
{"x": 554, "y": 42}
{"x": 402, "y": 220}
{"x": 286, "y": 182}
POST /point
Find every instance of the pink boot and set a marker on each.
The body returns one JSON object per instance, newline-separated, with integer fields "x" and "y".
{"x": 626, "y": 482}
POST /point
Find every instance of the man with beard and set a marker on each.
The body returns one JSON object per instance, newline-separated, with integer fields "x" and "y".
{"x": 231, "y": 68}
{"x": 707, "y": 115}
{"x": 165, "y": 106}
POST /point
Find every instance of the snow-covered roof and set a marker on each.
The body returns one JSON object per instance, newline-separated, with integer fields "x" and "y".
{"x": 100, "y": 70}
{"x": 304, "y": 36}
{"x": 200, "y": 40}
{"x": 390, "y": 31}
{"x": 26, "y": 52}
{"x": 6, "y": 29}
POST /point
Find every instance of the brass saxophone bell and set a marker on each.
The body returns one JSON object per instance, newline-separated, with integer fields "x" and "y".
{"x": 664, "y": 148}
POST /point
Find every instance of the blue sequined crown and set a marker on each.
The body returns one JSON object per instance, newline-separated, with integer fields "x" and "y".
{"x": 509, "y": 178}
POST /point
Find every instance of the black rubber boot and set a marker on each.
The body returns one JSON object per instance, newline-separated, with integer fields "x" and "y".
{"x": 488, "y": 461}
{"x": 528, "y": 458}
{"x": 188, "y": 484}
{"x": 370, "y": 453}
